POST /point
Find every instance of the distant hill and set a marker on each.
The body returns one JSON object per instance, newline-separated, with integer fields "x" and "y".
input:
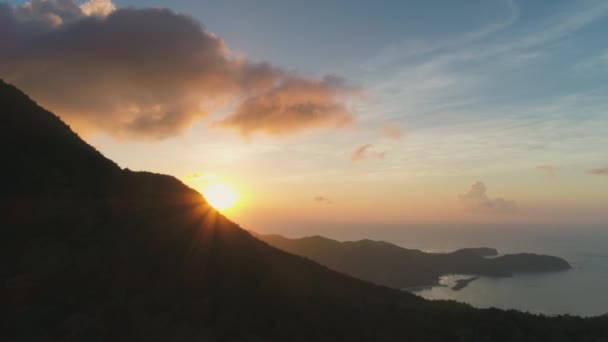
{"x": 390, "y": 265}
{"x": 93, "y": 252}
{"x": 481, "y": 251}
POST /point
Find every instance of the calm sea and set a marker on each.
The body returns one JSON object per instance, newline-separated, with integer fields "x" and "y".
{"x": 582, "y": 290}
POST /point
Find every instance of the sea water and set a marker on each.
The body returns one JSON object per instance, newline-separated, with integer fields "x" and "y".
{"x": 583, "y": 290}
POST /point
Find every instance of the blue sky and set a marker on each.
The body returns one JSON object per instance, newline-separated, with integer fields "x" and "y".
{"x": 508, "y": 93}
{"x": 484, "y": 58}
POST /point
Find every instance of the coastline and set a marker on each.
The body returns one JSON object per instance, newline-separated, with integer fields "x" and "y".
{"x": 462, "y": 283}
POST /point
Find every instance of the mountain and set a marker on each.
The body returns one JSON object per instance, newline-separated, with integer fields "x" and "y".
{"x": 390, "y": 265}
{"x": 481, "y": 251}
{"x": 93, "y": 252}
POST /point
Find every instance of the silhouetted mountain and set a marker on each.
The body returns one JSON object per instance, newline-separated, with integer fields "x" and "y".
{"x": 90, "y": 252}
{"x": 390, "y": 265}
{"x": 481, "y": 251}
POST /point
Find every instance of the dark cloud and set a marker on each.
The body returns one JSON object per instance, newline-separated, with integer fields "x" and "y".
{"x": 322, "y": 199}
{"x": 477, "y": 199}
{"x": 366, "y": 151}
{"x": 548, "y": 169}
{"x": 152, "y": 73}
{"x": 599, "y": 171}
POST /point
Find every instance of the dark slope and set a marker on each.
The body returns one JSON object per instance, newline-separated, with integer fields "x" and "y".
{"x": 41, "y": 154}
{"x": 390, "y": 265}
{"x": 90, "y": 252}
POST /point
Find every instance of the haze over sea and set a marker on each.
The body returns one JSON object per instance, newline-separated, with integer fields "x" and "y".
{"x": 579, "y": 291}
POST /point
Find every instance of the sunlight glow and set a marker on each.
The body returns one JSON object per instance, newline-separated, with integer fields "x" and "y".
{"x": 220, "y": 195}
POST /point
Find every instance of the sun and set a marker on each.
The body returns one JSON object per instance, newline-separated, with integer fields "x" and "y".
{"x": 221, "y": 196}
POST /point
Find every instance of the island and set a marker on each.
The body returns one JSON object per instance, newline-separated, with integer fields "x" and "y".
{"x": 462, "y": 283}
{"x": 481, "y": 251}
{"x": 390, "y": 265}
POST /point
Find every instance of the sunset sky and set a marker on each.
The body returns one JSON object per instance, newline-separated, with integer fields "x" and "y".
{"x": 336, "y": 111}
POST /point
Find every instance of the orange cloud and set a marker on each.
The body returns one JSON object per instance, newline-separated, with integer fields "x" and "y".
{"x": 391, "y": 131}
{"x": 97, "y": 7}
{"x": 599, "y": 171}
{"x": 548, "y": 169}
{"x": 322, "y": 199}
{"x": 366, "y": 152}
{"x": 152, "y": 72}
{"x": 293, "y": 105}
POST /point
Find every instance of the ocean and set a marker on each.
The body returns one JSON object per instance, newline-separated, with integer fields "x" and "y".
{"x": 582, "y": 291}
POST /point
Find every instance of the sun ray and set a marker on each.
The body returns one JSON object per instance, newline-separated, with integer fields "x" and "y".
{"x": 220, "y": 195}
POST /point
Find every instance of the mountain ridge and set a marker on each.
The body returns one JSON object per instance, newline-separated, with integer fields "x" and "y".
{"x": 93, "y": 252}
{"x": 387, "y": 264}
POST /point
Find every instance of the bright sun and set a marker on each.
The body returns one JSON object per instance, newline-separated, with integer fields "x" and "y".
{"x": 220, "y": 196}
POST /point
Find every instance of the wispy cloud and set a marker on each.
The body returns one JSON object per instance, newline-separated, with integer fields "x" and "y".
{"x": 152, "y": 73}
{"x": 322, "y": 200}
{"x": 200, "y": 177}
{"x": 477, "y": 199}
{"x": 550, "y": 170}
{"x": 599, "y": 171}
{"x": 458, "y": 75}
{"x": 413, "y": 48}
{"x": 365, "y": 152}
{"x": 592, "y": 66}
{"x": 391, "y": 130}
{"x": 470, "y": 106}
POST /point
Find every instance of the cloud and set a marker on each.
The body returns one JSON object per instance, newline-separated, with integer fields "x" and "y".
{"x": 42, "y": 12}
{"x": 599, "y": 171}
{"x": 391, "y": 130}
{"x": 322, "y": 200}
{"x": 294, "y": 105}
{"x": 366, "y": 151}
{"x": 476, "y": 199}
{"x": 199, "y": 177}
{"x": 152, "y": 73}
{"x": 97, "y": 7}
{"x": 548, "y": 169}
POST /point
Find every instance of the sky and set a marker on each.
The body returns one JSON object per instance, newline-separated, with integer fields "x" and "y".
{"x": 336, "y": 112}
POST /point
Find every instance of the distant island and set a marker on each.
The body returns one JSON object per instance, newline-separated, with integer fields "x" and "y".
{"x": 387, "y": 264}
